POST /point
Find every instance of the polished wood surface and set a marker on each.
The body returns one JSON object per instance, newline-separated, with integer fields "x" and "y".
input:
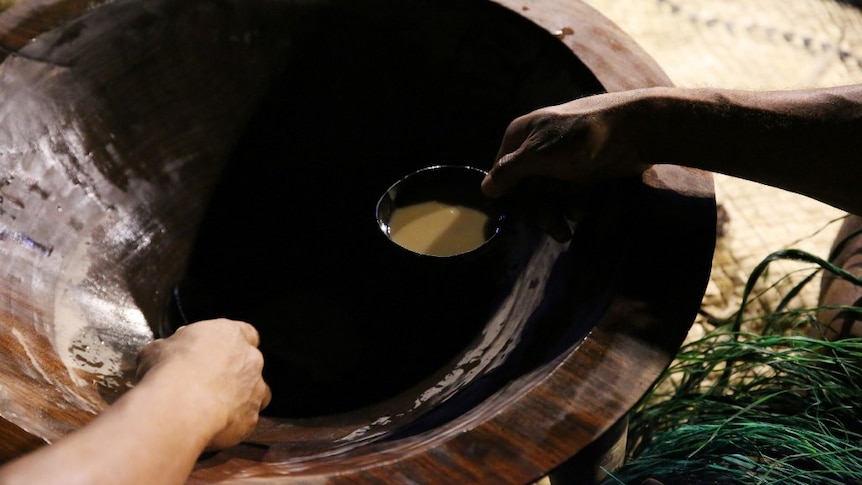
{"x": 119, "y": 119}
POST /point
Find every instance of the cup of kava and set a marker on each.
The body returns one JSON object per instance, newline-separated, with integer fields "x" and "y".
{"x": 439, "y": 211}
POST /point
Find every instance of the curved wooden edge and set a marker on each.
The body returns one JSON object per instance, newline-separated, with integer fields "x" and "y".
{"x": 23, "y": 21}
{"x": 605, "y": 48}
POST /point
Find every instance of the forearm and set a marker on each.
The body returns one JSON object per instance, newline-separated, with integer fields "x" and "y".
{"x": 148, "y": 435}
{"x": 201, "y": 388}
{"x": 803, "y": 141}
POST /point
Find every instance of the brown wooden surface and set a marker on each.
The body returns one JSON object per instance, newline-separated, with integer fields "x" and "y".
{"x": 86, "y": 134}
{"x": 103, "y": 169}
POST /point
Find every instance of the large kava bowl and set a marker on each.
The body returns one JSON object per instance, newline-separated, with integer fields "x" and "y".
{"x": 170, "y": 160}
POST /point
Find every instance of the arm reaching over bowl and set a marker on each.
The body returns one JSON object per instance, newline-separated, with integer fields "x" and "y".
{"x": 200, "y": 389}
{"x": 803, "y": 141}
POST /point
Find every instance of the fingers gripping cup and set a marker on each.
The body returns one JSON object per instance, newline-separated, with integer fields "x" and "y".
{"x": 439, "y": 211}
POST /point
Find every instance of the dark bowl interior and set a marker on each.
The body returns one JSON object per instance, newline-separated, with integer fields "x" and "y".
{"x": 289, "y": 241}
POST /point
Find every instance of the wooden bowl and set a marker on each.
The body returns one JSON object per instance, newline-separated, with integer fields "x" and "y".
{"x": 157, "y": 162}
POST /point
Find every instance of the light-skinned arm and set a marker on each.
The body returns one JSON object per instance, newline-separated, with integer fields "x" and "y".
{"x": 199, "y": 389}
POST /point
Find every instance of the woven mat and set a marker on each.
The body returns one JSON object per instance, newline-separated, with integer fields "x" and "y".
{"x": 758, "y": 45}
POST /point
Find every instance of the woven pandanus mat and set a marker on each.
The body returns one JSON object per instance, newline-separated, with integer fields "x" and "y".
{"x": 757, "y": 45}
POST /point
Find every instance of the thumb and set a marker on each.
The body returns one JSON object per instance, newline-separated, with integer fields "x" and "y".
{"x": 506, "y": 173}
